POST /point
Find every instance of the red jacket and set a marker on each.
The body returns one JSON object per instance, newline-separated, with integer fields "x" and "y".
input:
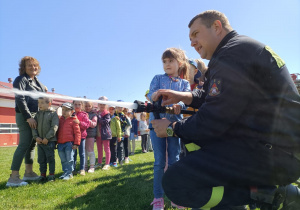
{"x": 68, "y": 131}
{"x": 84, "y": 123}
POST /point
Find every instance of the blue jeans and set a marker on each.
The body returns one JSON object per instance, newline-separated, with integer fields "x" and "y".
{"x": 81, "y": 155}
{"x": 159, "y": 146}
{"x": 66, "y": 154}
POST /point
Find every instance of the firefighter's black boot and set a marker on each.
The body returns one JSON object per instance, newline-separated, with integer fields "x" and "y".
{"x": 292, "y": 198}
{"x": 272, "y": 198}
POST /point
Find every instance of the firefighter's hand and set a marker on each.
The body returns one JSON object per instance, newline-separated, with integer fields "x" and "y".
{"x": 173, "y": 97}
{"x": 160, "y": 127}
{"x": 74, "y": 147}
{"x": 177, "y": 108}
{"x": 119, "y": 139}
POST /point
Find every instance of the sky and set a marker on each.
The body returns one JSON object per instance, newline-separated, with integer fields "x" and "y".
{"x": 99, "y": 48}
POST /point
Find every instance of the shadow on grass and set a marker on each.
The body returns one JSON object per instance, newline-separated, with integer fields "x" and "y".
{"x": 130, "y": 189}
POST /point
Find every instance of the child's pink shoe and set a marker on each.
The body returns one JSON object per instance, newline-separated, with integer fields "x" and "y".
{"x": 176, "y": 206}
{"x": 158, "y": 204}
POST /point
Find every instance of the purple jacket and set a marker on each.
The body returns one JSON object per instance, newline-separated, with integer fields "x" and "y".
{"x": 104, "y": 125}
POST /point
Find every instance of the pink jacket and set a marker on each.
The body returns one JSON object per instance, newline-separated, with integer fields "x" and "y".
{"x": 84, "y": 123}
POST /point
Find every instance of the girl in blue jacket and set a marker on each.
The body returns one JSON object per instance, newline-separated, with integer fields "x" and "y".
{"x": 176, "y": 72}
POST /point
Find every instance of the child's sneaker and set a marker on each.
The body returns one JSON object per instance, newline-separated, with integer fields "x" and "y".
{"x": 67, "y": 177}
{"x": 176, "y": 206}
{"x": 126, "y": 160}
{"x": 158, "y": 204}
{"x": 91, "y": 170}
{"x": 30, "y": 176}
{"x": 41, "y": 179}
{"x": 115, "y": 164}
{"x": 98, "y": 165}
{"x": 15, "y": 182}
{"x": 62, "y": 176}
{"x": 106, "y": 167}
{"x": 51, "y": 178}
{"x": 81, "y": 172}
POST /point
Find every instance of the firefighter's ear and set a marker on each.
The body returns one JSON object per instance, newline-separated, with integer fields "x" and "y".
{"x": 217, "y": 26}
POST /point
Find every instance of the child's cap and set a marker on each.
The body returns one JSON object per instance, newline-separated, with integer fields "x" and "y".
{"x": 67, "y": 105}
{"x": 197, "y": 77}
{"x": 103, "y": 98}
{"x": 192, "y": 62}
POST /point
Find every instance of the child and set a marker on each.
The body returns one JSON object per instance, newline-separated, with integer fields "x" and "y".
{"x": 68, "y": 140}
{"x": 45, "y": 136}
{"x": 175, "y": 65}
{"x": 84, "y": 123}
{"x": 133, "y": 133}
{"x": 116, "y": 134}
{"x": 144, "y": 131}
{"x": 103, "y": 134}
{"x": 126, "y": 134}
{"x": 124, "y": 122}
{"x": 197, "y": 71}
{"x": 90, "y": 138}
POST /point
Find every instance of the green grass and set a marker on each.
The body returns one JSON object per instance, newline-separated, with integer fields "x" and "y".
{"x": 126, "y": 187}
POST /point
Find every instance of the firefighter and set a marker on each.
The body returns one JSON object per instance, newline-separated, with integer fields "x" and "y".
{"x": 245, "y": 136}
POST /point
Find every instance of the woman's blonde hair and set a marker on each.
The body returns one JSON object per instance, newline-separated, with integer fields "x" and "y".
{"x": 180, "y": 56}
{"x": 22, "y": 64}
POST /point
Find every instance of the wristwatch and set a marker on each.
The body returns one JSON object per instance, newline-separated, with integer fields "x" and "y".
{"x": 170, "y": 131}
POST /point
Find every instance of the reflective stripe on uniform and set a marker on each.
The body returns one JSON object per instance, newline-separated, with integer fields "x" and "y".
{"x": 192, "y": 147}
{"x": 215, "y": 199}
{"x": 278, "y": 60}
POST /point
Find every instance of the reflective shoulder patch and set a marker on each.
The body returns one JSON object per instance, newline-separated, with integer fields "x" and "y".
{"x": 214, "y": 87}
{"x": 278, "y": 60}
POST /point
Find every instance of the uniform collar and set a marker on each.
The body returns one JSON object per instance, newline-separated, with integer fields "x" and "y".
{"x": 224, "y": 41}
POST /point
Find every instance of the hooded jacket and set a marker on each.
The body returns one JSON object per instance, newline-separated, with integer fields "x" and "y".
{"x": 47, "y": 125}
{"x": 68, "y": 131}
{"x": 84, "y": 123}
{"x": 104, "y": 125}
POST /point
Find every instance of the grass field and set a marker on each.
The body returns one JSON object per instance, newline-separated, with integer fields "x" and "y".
{"x": 126, "y": 187}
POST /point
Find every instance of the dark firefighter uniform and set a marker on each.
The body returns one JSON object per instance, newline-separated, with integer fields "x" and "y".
{"x": 247, "y": 126}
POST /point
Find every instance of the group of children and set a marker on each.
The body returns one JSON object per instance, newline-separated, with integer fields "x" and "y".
{"x": 79, "y": 127}
{"x": 111, "y": 128}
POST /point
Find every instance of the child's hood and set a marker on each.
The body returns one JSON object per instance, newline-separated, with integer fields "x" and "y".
{"x": 104, "y": 112}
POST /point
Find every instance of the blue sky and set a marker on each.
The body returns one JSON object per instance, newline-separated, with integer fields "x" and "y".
{"x": 113, "y": 48}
